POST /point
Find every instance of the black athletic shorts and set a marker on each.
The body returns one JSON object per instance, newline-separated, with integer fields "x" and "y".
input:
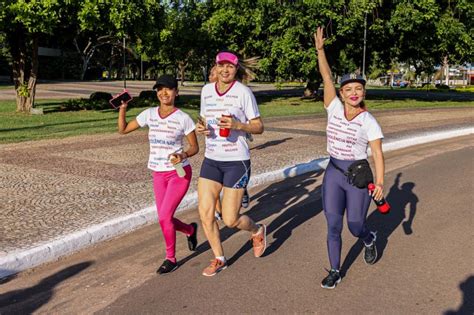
{"x": 231, "y": 174}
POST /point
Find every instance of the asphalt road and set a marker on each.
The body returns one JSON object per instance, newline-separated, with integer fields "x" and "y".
{"x": 425, "y": 264}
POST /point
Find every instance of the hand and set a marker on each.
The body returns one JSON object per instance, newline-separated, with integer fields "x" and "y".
{"x": 377, "y": 193}
{"x": 227, "y": 122}
{"x": 201, "y": 129}
{"x": 319, "y": 39}
{"x": 176, "y": 158}
{"x": 124, "y": 105}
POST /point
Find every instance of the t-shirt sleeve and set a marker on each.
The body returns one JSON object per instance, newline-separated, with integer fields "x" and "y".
{"x": 142, "y": 118}
{"x": 335, "y": 103}
{"x": 188, "y": 124}
{"x": 374, "y": 131}
{"x": 250, "y": 105}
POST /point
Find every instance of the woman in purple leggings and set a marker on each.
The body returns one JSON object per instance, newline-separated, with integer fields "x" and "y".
{"x": 171, "y": 171}
{"x": 351, "y": 129}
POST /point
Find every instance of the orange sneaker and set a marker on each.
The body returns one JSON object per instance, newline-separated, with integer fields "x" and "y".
{"x": 216, "y": 266}
{"x": 259, "y": 241}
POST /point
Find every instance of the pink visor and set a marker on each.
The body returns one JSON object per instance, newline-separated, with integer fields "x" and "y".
{"x": 227, "y": 57}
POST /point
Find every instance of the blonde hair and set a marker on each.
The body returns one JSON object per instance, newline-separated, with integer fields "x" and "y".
{"x": 245, "y": 70}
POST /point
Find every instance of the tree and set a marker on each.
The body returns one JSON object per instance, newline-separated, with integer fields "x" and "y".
{"x": 23, "y": 22}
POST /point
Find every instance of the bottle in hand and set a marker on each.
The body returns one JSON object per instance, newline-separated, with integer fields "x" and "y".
{"x": 224, "y": 132}
{"x": 179, "y": 168}
{"x": 382, "y": 204}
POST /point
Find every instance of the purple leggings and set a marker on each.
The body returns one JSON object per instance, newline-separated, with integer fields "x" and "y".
{"x": 338, "y": 196}
{"x": 169, "y": 190}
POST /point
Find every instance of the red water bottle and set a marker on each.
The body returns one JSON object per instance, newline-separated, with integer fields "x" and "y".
{"x": 224, "y": 132}
{"x": 382, "y": 204}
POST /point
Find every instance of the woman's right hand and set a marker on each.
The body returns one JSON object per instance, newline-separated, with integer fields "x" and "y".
{"x": 319, "y": 39}
{"x": 202, "y": 130}
{"x": 124, "y": 105}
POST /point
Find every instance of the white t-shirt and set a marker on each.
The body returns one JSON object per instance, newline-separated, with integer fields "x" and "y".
{"x": 349, "y": 139}
{"x": 165, "y": 136}
{"x": 237, "y": 101}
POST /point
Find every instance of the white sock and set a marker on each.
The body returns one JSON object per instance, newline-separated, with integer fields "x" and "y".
{"x": 221, "y": 258}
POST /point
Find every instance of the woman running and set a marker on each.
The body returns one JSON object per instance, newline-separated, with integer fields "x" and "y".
{"x": 350, "y": 130}
{"x": 227, "y": 104}
{"x": 167, "y": 128}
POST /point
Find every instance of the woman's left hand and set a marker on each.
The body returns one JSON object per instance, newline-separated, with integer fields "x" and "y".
{"x": 377, "y": 194}
{"x": 227, "y": 122}
{"x": 176, "y": 158}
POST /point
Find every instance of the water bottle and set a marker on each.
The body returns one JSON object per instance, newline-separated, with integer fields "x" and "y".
{"x": 382, "y": 204}
{"x": 179, "y": 168}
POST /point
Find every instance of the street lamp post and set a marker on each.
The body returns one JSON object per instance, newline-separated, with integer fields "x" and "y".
{"x": 124, "y": 66}
{"x": 365, "y": 44}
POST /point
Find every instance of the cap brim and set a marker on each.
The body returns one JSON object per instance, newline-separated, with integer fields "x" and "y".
{"x": 352, "y": 81}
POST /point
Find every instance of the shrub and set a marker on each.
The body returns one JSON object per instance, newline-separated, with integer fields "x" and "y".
{"x": 100, "y": 96}
{"x": 148, "y": 95}
{"x": 442, "y": 87}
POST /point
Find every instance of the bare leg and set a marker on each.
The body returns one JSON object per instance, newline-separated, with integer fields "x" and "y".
{"x": 231, "y": 201}
{"x": 208, "y": 194}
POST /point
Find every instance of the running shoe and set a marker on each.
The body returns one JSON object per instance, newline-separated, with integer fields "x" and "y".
{"x": 215, "y": 267}
{"x": 192, "y": 239}
{"x": 259, "y": 241}
{"x": 218, "y": 216}
{"x": 245, "y": 199}
{"x": 166, "y": 267}
{"x": 370, "y": 255}
{"x": 333, "y": 278}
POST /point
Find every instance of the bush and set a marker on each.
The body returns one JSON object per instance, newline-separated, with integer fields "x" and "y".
{"x": 100, "y": 96}
{"x": 147, "y": 95}
{"x": 442, "y": 86}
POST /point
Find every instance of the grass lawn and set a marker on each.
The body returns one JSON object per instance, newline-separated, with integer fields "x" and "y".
{"x": 55, "y": 123}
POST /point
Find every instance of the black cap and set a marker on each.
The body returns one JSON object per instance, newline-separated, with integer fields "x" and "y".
{"x": 166, "y": 80}
{"x": 352, "y": 77}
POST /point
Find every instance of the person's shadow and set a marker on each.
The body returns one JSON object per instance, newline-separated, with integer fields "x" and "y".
{"x": 273, "y": 200}
{"x": 398, "y": 197}
{"x": 467, "y": 307}
{"x": 26, "y": 301}
{"x": 299, "y": 196}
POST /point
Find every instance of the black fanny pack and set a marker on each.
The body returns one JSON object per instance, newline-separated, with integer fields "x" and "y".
{"x": 358, "y": 174}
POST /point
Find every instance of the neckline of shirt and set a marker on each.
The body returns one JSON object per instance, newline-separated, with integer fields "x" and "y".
{"x": 164, "y": 117}
{"x": 228, "y": 89}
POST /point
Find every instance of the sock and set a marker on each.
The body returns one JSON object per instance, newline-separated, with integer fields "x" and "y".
{"x": 221, "y": 258}
{"x": 173, "y": 260}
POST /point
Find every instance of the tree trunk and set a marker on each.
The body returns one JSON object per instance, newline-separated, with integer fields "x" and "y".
{"x": 182, "y": 68}
{"x": 311, "y": 89}
{"x": 25, "y": 92}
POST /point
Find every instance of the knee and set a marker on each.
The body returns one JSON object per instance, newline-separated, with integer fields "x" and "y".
{"x": 356, "y": 228}
{"x": 165, "y": 222}
{"x": 231, "y": 222}
{"x": 334, "y": 227}
{"x": 206, "y": 215}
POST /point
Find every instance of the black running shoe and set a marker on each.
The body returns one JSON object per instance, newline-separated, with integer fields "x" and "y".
{"x": 370, "y": 255}
{"x": 245, "y": 199}
{"x": 192, "y": 239}
{"x": 331, "y": 280}
{"x": 166, "y": 267}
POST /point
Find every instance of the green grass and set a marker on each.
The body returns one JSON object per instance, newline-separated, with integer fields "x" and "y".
{"x": 16, "y": 127}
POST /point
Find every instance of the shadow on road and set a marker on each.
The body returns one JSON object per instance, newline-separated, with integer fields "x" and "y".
{"x": 270, "y": 144}
{"x": 467, "y": 306}
{"x": 399, "y": 197}
{"x": 26, "y": 301}
{"x": 273, "y": 200}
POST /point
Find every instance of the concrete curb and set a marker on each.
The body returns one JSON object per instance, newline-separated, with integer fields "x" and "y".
{"x": 20, "y": 260}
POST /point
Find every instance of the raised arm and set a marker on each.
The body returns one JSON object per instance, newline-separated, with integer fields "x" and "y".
{"x": 123, "y": 126}
{"x": 329, "y": 89}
